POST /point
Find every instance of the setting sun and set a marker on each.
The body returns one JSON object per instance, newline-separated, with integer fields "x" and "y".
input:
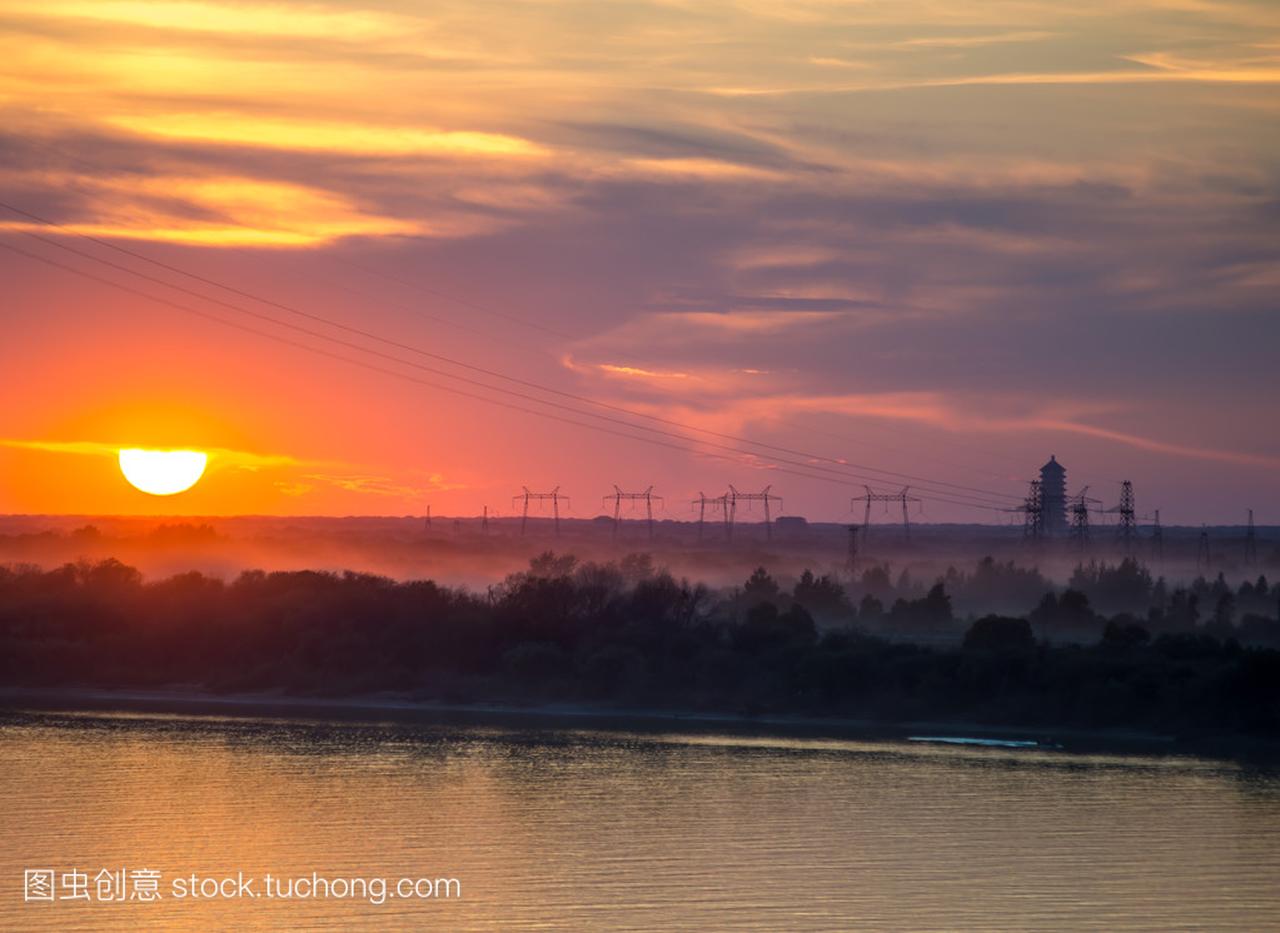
{"x": 162, "y": 472}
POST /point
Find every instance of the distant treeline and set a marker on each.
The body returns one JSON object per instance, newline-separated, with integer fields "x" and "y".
{"x": 1203, "y": 658}
{"x": 1097, "y": 593}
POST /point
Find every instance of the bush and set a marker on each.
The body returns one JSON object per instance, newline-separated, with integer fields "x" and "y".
{"x": 1000, "y": 634}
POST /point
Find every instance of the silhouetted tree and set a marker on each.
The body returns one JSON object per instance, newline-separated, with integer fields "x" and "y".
{"x": 1117, "y": 634}
{"x": 821, "y": 595}
{"x": 567, "y": 631}
{"x": 1000, "y": 634}
{"x": 760, "y": 587}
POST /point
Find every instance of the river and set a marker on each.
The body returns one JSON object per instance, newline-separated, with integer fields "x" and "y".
{"x": 506, "y": 828}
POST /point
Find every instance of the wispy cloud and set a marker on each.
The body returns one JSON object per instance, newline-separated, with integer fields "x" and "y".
{"x": 938, "y": 412}
{"x": 216, "y": 211}
{"x": 1260, "y": 75}
{"x": 376, "y": 485}
{"x": 278, "y": 19}
{"x": 289, "y": 475}
{"x": 219, "y": 457}
{"x": 314, "y": 135}
{"x": 614, "y": 369}
{"x": 972, "y": 41}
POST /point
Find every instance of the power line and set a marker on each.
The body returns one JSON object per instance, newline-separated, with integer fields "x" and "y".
{"x": 952, "y": 489}
{"x": 396, "y": 359}
{"x": 439, "y": 293}
{"x": 807, "y": 425}
{"x": 512, "y": 318}
{"x": 430, "y": 290}
{"x": 686, "y": 448}
{"x": 420, "y": 366}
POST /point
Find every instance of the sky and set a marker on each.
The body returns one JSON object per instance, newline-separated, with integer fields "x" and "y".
{"x": 938, "y": 241}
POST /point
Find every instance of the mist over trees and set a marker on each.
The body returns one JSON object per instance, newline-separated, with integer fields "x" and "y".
{"x": 1114, "y": 648}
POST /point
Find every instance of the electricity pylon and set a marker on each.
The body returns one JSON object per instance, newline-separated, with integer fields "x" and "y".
{"x": 1079, "y": 511}
{"x": 1032, "y": 510}
{"x": 554, "y": 497}
{"x": 1204, "y": 558}
{"x": 871, "y": 496}
{"x": 618, "y": 497}
{"x": 714, "y": 502}
{"x": 1250, "y": 542}
{"x": 1127, "y": 530}
{"x": 764, "y": 496}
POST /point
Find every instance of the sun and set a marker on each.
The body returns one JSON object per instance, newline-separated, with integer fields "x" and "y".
{"x": 162, "y": 472}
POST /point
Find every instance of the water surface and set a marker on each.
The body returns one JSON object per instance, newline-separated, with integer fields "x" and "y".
{"x": 595, "y": 830}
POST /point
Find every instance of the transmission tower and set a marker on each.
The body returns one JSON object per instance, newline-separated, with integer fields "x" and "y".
{"x": 1032, "y": 510}
{"x": 1157, "y": 538}
{"x": 1250, "y": 542}
{"x": 851, "y": 561}
{"x": 1079, "y": 511}
{"x": 764, "y": 496}
{"x": 902, "y": 496}
{"x": 703, "y": 502}
{"x": 554, "y": 497}
{"x": 1203, "y": 555}
{"x": 619, "y": 497}
{"x": 484, "y": 522}
{"x": 1127, "y": 530}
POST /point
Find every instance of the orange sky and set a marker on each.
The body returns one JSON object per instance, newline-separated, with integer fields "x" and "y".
{"x": 942, "y": 240}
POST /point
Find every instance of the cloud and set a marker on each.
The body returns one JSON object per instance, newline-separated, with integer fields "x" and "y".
{"x": 1184, "y": 451}
{"x": 305, "y": 476}
{"x": 698, "y": 168}
{"x": 214, "y": 210}
{"x": 279, "y": 19}
{"x": 1221, "y": 75}
{"x": 969, "y": 41}
{"x": 242, "y": 129}
{"x": 293, "y": 489}
{"x": 376, "y": 485}
{"x": 673, "y": 140}
{"x": 939, "y": 412}
{"x": 616, "y": 370}
{"x": 219, "y": 457}
{"x": 743, "y": 322}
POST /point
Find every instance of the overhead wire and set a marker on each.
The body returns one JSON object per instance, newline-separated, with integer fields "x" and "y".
{"x": 846, "y": 477}
{"x": 923, "y": 483}
{"x": 686, "y": 448}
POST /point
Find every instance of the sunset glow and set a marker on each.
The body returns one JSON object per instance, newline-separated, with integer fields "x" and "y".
{"x": 770, "y": 465}
{"x": 891, "y": 233}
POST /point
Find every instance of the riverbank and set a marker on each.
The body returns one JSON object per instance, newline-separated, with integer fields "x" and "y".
{"x": 390, "y": 707}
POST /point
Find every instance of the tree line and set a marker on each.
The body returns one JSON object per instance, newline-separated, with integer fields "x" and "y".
{"x": 1199, "y": 658}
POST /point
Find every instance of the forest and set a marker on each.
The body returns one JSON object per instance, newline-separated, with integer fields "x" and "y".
{"x": 1113, "y": 649}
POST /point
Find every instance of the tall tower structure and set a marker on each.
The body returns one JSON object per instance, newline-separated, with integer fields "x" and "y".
{"x": 1032, "y": 514}
{"x": 1053, "y": 498}
{"x": 1127, "y": 530}
{"x": 851, "y": 563}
